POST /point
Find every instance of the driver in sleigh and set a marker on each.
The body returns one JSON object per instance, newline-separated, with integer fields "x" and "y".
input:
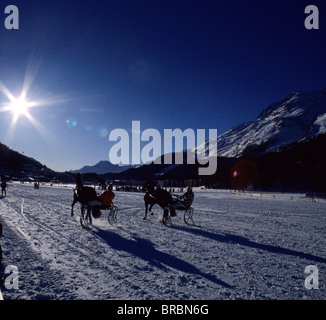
{"x": 183, "y": 202}
{"x": 104, "y": 199}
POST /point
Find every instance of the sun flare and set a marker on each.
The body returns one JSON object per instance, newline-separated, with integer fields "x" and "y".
{"x": 19, "y": 106}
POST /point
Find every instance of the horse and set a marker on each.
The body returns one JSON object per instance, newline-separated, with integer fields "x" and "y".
{"x": 83, "y": 195}
{"x": 159, "y": 196}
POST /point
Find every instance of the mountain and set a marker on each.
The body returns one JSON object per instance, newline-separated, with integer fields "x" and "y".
{"x": 281, "y": 150}
{"x": 299, "y": 116}
{"x": 102, "y": 167}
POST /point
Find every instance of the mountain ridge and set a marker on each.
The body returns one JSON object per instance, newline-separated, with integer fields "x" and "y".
{"x": 297, "y": 116}
{"x": 102, "y": 167}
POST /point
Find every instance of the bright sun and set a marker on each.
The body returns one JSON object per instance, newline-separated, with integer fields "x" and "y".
{"x": 19, "y": 106}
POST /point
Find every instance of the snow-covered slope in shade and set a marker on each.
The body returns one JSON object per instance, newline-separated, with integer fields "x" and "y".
{"x": 298, "y": 116}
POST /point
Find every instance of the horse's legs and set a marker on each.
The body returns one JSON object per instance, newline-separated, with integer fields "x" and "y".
{"x": 146, "y": 200}
{"x": 74, "y": 202}
{"x": 89, "y": 215}
{"x": 166, "y": 213}
{"x": 72, "y": 207}
{"x": 146, "y": 210}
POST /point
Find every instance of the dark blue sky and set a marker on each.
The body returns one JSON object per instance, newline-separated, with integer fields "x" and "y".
{"x": 98, "y": 65}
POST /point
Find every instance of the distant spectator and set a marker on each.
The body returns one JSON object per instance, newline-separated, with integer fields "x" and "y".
{"x": 1, "y": 281}
{"x": 3, "y": 187}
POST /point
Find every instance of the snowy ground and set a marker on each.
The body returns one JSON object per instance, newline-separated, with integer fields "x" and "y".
{"x": 248, "y": 247}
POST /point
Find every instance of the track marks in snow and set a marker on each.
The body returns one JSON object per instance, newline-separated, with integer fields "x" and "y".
{"x": 247, "y": 248}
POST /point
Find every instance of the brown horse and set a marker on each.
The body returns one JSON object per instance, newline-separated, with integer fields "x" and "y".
{"x": 159, "y": 196}
{"x": 83, "y": 195}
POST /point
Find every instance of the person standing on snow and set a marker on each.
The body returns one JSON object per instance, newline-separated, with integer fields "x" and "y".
{"x": 1, "y": 281}
{"x": 3, "y": 186}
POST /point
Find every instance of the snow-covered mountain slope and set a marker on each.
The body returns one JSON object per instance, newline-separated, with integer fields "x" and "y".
{"x": 298, "y": 116}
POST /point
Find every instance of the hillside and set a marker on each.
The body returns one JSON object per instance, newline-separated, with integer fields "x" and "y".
{"x": 13, "y": 162}
{"x": 299, "y": 167}
{"x": 16, "y": 165}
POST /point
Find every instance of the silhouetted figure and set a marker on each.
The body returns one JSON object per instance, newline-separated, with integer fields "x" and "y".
{"x": 1, "y": 280}
{"x": 3, "y": 187}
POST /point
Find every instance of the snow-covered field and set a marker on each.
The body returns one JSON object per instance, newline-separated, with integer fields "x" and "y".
{"x": 247, "y": 247}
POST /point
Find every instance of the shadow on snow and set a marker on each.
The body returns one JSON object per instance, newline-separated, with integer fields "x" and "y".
{"x": 234, "y": 239}
{"x": 145, "y": 250}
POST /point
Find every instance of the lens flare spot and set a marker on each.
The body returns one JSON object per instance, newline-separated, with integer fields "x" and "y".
{"x": 104, "y": 132}
{"x": 71, "y": 123}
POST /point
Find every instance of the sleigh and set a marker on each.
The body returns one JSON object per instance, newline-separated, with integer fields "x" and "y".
{"x": 170, "y": 204}
{"x": 86, "y": 196}
{"x": 88, "y": 210}
{"x": 187, "y": 216}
